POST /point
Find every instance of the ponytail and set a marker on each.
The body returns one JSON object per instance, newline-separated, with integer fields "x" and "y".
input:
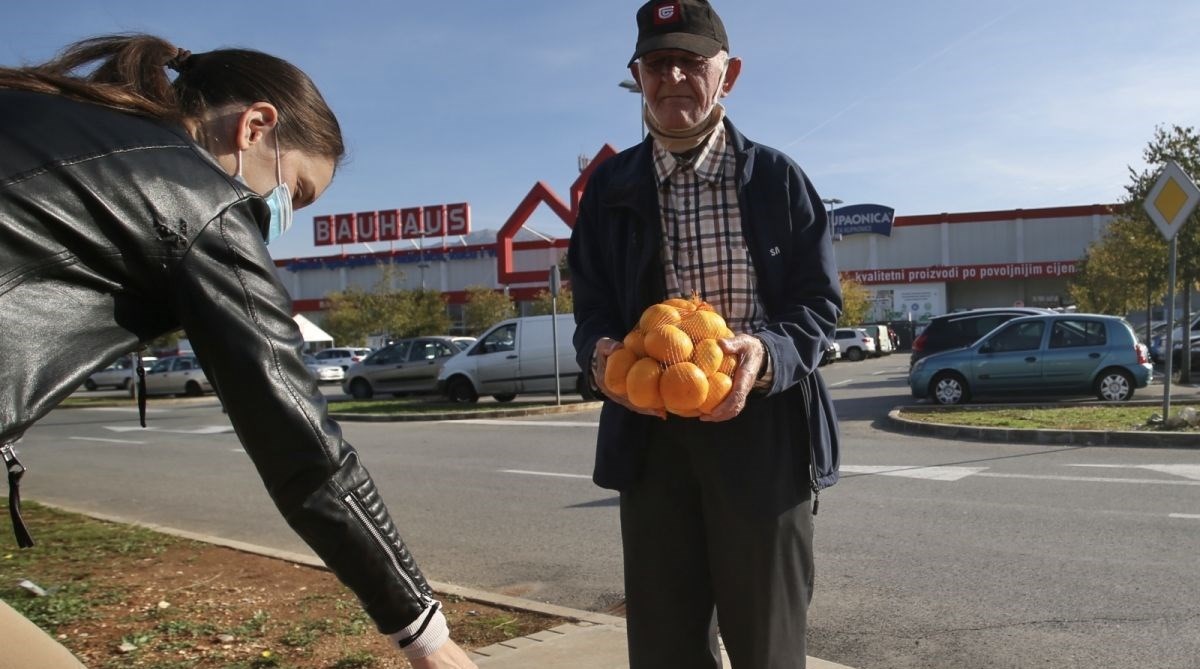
{"x": 130, "y": 74}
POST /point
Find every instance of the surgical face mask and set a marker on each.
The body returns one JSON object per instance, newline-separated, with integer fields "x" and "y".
{"x": 279, "y": 200}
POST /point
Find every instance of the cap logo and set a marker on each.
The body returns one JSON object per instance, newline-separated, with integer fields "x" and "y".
{"x": 666, "y": 13}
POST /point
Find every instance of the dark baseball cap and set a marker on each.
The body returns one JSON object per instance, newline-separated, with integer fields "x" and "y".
{"x": 690, "y": 25}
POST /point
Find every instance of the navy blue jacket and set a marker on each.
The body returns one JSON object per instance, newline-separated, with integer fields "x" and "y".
{"x": 616, "y": 272}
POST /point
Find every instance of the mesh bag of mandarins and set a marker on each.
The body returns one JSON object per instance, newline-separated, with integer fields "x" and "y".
{"x": 672, "y": 360}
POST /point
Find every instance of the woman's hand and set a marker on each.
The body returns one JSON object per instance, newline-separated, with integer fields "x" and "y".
{"x": 449, "y": 656}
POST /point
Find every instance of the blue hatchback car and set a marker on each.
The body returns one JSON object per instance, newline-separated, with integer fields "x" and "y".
{"x": 1053, "y": 354}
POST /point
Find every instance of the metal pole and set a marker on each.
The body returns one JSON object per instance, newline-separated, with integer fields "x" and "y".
{"x": 555, "y": 282}
{"x": 1169, "y": 344}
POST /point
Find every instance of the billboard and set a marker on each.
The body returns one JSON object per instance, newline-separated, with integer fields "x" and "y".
{"x": 388, "y": 225}
{"x": 862, "y": 219}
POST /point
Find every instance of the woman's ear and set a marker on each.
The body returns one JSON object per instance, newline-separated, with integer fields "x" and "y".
{"x": 254, "y": 122}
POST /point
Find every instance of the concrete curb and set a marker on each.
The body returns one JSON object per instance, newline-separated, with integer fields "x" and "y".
{"x": 1040, "y": 436}
{"x": 463, "y": 415}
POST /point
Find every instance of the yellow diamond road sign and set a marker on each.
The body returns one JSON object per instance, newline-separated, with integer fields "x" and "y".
{"x": 1171, "y": 200}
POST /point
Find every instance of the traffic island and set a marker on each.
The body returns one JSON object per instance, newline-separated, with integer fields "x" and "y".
{"x": 965, "y": 423}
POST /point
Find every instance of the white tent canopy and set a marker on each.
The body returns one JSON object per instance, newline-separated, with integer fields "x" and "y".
{"x": 310, "y": 331}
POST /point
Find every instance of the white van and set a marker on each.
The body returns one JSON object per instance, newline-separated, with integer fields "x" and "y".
{"x": 513, "y": 357}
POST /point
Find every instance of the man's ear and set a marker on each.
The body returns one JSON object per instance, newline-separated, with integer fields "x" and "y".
{"x": 732, "y": 71}
{"x": 254, "y": 122}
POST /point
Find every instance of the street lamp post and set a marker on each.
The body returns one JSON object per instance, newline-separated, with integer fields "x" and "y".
{"x": 632, "y": 86}
{"x": 832, "y": 202}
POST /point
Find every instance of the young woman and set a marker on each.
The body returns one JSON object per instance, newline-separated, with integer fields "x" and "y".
{"x": 131, "y": 205}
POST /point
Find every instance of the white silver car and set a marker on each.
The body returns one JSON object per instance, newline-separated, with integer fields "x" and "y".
{"x": 119, "y": 375}
{"x": 342, "y": 356}
{"x": 326, "y": 372}
{"x": 176, "y": 375}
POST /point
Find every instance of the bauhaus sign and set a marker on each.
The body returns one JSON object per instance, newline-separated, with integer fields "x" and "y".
{"x": 861, "y": 219}
{"x": 440, "y": 220}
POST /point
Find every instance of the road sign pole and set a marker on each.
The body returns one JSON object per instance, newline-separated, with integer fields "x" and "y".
{"x": 1169, "y": 346}
{"x": 1169, "y": 203}
{"x": 555, "y": 283}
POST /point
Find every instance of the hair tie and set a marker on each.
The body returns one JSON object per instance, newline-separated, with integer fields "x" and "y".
{"x": 179, "y": 62}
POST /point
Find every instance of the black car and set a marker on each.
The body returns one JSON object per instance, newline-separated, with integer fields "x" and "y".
{"x": 1177, "y": 356}
{"x": 963, "y": 328}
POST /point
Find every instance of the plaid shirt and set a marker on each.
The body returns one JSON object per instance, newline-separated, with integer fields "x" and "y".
{"x": 704, "y": 250}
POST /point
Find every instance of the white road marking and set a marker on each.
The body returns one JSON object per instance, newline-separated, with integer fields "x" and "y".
{"x": 1087, "y": 479}
{"x": 107, "y": 441}
{"x": 207, "y": 429}
{"x": 132, "y": 409}
{"x": 841, "y": 383}
{"x": 1186, "y": 471}
{"x": 927, "y": 473}
{"x": 958, "y": 473}
{"x": 529, "y": 473}
{"x": 1186, "y": 516}
{"x": 524, "y": 423}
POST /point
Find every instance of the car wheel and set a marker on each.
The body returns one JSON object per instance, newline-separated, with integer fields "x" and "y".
{"x": 505, "y": 397}
{"x": 89, "y": 384}
{"x": 193, "y": 389}
{"x": 854, "y": 354}
{"x": 361, "y": 390}
{"x": 949, "y": 388}
{"x": 460, "y": 391}
{"x": 1114, "y": 385}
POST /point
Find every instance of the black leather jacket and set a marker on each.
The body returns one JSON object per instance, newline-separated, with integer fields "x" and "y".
{"x": 115, "y": 230}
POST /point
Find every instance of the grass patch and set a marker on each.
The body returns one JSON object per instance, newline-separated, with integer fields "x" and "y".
{"x": 1107, "y": 418}
{"x": 119, "y": 596}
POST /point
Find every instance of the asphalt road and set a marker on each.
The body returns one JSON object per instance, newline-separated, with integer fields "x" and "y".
{"x": 930, "y": 553}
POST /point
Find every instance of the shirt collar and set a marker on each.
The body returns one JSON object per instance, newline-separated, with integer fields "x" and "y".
{"x": 708, "y": 165}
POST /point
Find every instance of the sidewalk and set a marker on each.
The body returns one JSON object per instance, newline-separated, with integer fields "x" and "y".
{"x": 576, "y": 646}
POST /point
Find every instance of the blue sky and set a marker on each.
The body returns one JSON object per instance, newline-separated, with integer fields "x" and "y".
{"x": 926, "y": 106}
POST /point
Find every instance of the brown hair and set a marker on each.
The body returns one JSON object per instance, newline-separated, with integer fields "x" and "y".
{"x": 130, "y": 75}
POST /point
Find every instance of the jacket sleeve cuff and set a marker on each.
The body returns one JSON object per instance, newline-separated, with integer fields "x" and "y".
{"x": 425, "y": 635}
{"x": 766, "y": 373}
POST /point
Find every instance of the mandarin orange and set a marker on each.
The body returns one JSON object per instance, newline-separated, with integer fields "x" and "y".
{"x": 668, "y": 344}
{"x": 708, "y": 355}
{"x": 719, "y": 386}
{"x": 641, "y": 384}
{"x": 703, "y": 325}
{"x": 617, "y": 368}
{"x": 683, "y": 387}
{"x": 728, "y": 365}
{"x": 656, "y": 315}
{"x": 634, "y": 342}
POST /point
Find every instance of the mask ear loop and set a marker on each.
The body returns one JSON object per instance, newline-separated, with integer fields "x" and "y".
{"x": 278, "y": 160}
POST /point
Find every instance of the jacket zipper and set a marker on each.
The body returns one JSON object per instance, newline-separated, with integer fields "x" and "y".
{"x": 812, "y": 454}
{"x": 358, "y": 512}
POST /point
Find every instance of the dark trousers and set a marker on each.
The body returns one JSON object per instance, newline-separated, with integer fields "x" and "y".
{"x": 717, "y": 532}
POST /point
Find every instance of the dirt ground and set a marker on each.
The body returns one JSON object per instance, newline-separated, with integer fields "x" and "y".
{"x": 126, "y": 597}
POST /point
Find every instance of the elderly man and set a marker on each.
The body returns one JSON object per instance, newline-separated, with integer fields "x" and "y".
{"x": 716, "y": 513}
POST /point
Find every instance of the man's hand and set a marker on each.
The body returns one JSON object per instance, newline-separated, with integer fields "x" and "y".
{"x": 604, "y": 348}
{"x": 751, "y": 357}
{"x": 449, "y": 656}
